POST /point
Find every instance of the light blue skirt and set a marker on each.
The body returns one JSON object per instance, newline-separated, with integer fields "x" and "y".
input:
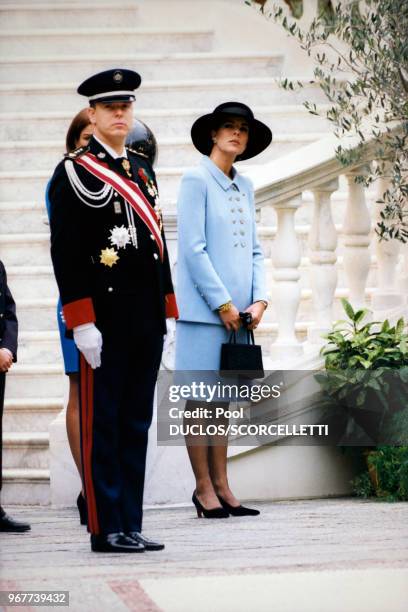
{"x": 198, "y": 345}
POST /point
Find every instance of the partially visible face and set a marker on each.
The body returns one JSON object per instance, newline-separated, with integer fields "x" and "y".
{"x": 84, "y": 136}
{"x": 232, "y": 136}
{"x": 112, "y": 121}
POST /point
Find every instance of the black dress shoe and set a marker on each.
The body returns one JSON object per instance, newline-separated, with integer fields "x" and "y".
{"x": 148, "y": 544}
{"x": 237, "y": 510}
{"x": 9, "y": 524}
{"x": 115, "y": 543}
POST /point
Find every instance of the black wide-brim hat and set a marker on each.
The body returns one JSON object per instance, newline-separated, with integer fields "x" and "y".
{"x": 259, "y": 135}
{"x": 115, "y": 85}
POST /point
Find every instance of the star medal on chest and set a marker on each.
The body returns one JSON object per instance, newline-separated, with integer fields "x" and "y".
{"x": 119, "y": 237}
{"x": 109, "y": 257}
{"x": 126, "y": 167}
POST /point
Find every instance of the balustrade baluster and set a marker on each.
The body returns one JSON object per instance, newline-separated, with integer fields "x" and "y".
{"x": 403, "y": 276}
{"x": 386, "y": 295}
{"x": 286, "y": 291}
{"x": 356, "y": 238}
{"x": 323, "y": 275}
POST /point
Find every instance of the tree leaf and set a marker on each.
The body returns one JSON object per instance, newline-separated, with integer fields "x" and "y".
{"x": 348, "y": 308}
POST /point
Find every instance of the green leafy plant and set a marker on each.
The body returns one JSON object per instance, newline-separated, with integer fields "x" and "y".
{"x": 366, "y": 374}
{"x": 369, "y": 345}
{"x": 361, "y": 56}
{"x": 387, "y": 475}
{"x": 365, "y": 394}
{"x": 363, "y": 486}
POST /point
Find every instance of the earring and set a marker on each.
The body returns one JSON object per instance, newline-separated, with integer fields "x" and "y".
{"x": 214, "y": 140}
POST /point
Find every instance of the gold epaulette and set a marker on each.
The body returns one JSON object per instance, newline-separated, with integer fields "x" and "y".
{"x": 77, "y": 153}
{"x": 136, "y": 152}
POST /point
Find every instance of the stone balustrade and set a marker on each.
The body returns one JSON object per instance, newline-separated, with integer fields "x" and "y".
{"x": 279, "y": 186}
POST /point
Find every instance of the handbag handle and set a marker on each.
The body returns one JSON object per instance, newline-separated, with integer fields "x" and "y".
{"x": 250, "y": 337}
{"x": 233, "y": 337}
{"x": 246, "y": 318}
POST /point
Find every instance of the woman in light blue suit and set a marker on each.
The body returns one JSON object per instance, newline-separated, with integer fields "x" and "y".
{"x": 220, "y": 272}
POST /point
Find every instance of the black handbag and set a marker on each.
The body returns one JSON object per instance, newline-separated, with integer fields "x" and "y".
{"x": 242, "y": 359}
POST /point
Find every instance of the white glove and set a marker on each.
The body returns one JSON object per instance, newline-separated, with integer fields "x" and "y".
{"x": 88, "y": 339}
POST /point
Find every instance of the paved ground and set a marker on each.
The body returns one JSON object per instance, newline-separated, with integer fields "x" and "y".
{"x": 340, "y": 555}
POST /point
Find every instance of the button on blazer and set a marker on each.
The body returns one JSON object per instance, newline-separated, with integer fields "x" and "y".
{"x": 219, "y": 254}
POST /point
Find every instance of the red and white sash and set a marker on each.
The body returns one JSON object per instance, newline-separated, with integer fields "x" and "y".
{"x": 129, "y": 190}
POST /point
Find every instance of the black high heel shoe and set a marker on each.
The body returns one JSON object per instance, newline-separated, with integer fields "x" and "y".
{"x": 237, "y": 510}
{"x": 213, "y": 513}
{"x": 82, "y": 509}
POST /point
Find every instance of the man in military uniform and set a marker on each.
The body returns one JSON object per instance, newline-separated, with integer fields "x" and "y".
{"x": 8, "y": 354}
{"x": 112, "y": 268}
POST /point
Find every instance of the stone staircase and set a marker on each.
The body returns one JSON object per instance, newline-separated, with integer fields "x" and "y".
{"x": 46, "y": 50}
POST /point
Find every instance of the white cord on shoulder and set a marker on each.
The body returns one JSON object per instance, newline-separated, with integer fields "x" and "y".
{"x": 82, "y": 192}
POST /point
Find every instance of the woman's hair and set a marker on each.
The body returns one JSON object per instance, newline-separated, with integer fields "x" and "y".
{"x": 79, "y": 122}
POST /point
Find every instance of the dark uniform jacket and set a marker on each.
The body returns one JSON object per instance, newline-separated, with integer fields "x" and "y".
{"x": 138, "y": 286}
{"x": 8, "y": 319}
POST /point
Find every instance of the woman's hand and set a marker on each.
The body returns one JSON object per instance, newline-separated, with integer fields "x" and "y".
{"x": 257, "y": 309}
{"x": 231, "y": 318}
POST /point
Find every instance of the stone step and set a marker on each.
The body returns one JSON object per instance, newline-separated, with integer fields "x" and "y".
{"x": 23, "y": 185}
{"x": 44, "y": 155}
{"x": 39, "y": 347}
{"x": 72, "y": 41}
{"x": 37, "y": 314}
{"x": 165, "y": 123}
{"x": 154, "y": 66}
{"x": 25, "y": 415}
{"x": 23, "y": 249}
{"x": 26, "y": 487}
{"x": 26, "y": 450}
{"x": 30, "y": 185}
{"x": 60, "y": 15}
{"x": 22, "y": 284}
{"x": 34, "y": 381}
{"x": 18, "y": 217}
{"x": 207, "y": 93}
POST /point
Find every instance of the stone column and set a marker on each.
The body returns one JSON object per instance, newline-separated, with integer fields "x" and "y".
{"x": 322, "y": 245}
{"x": 286, "y": 290}
{"x": 266, "y": 234}
{"x": 356, "y": 239}
{"x": 387, "y": 295}
{"x": 403, "y": 276}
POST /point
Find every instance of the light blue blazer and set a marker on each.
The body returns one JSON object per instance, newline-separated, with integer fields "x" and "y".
{"x": 219, "y": 255}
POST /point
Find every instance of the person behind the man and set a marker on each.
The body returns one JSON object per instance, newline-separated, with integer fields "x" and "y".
{"x": 112, "y": 268}
{"x": 8, "y": 355}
